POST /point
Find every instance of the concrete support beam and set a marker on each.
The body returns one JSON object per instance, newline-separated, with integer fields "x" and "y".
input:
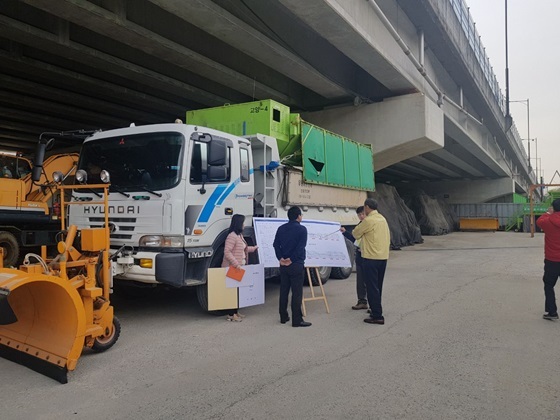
{"x": 354, "y": 28}
{"x": 105, "y": 23}
{"x": 37, "y": 118}
{"x": 211, "y": 18}
{"x": 55, "y": 75}
{"x": 472, "y": 137}
{"x": 398, "y": 128}
{"x": 78, "y": 101}
{"x": 462, "y": 191}
{"x": 33, "y": 104}
{"x": 423, "y": 162}
{"x": 46, "y": 41}
{"x": 466, "y": 167}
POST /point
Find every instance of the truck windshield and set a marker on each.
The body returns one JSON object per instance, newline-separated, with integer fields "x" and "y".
{"x": 135, "y": 162}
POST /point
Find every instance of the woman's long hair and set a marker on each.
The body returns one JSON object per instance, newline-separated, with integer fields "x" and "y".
{"x": 237, "y": 224}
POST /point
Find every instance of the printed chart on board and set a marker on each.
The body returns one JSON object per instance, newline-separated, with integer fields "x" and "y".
{"x": 326, "y": 246}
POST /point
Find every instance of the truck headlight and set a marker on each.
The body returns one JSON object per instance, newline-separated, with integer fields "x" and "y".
{"x": 161, "y": 241}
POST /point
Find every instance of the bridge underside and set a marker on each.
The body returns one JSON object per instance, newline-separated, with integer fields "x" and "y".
{"x": 102, "y": 64}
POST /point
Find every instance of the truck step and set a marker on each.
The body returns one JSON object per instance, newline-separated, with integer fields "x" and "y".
{"x": 193, "y": 282}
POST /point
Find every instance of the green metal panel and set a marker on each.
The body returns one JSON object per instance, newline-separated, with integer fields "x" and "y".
{"x": 519, "y": 199}
{"x": 313, "y": 148}
{"x": 334, "y": 151}
{"x": 554, "y": 195}
{"x": 352, "y": 164}
{"x": 538, "y": 208}
{"x": 331, "y": 159}
{"x": 291, "y": 154}
{"x": 366, "y": 167}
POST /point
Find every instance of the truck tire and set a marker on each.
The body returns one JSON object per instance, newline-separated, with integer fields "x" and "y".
{"x": 344, "y": 272}
{"x": 324, "y": 272}
{"x": 202, "y": 290}
{"x": 9, "y": 244}
{"x": 105, "y": 342}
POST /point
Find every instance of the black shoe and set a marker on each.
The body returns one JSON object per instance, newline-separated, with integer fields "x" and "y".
{"x": 378, "y": 321}
{"x": 550, "y": 316}
{"x": 283, "y": 321}
{"x": 302, "y": 324}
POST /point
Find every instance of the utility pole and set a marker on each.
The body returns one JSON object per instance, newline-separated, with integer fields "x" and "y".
{"x": 509, "y": 120}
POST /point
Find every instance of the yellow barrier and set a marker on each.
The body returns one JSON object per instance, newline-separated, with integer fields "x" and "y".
{"x": 478, "y": 223}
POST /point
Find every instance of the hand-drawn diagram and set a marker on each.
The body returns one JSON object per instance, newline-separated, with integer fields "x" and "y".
{"x": 326, "y": 246}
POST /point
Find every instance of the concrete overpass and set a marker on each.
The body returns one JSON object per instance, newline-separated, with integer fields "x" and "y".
{"x": 408, "y": 76}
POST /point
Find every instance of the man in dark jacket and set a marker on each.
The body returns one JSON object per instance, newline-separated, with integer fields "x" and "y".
{"x": 550, "y": 224}
{"x": 289, "y": 246}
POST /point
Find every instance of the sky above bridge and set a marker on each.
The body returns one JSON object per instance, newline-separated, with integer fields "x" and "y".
{"x": 534, "y": 62}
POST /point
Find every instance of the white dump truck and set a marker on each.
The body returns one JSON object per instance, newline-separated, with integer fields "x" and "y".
{"x": 174, "y": 188}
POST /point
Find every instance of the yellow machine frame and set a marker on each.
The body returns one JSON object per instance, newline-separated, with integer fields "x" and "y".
{"x": 58, "y": 306}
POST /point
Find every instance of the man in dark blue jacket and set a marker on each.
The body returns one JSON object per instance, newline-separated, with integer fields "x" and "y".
{"x": 289, "y": 246}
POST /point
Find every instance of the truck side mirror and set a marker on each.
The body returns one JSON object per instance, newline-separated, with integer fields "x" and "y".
{"x": 217, "y": 173}
{"x": 217, "y": 153}
{"x": 38, "y": 161}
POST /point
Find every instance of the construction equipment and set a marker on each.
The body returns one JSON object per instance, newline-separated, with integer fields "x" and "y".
{"x": 29, "y": 209}
{"x": 51, "y": 309}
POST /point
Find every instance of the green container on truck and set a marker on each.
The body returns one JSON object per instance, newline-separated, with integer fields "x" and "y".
{"x": 326, "y": 158}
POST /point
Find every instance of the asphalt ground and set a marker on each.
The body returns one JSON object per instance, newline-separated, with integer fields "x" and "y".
{"x": 464, "y": 339}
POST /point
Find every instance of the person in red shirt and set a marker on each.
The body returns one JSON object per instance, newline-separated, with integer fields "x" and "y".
{"x": 550, "y": 225}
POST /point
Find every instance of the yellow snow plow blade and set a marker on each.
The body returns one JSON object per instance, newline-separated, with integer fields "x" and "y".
{"x": 52, "y": 308}
{"x": 42, "y": 322}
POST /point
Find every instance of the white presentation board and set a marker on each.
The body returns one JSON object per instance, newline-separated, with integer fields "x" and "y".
{"x": 326, "y": 246}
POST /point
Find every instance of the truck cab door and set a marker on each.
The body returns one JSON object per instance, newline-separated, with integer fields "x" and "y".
{"x": 209, "y": 173}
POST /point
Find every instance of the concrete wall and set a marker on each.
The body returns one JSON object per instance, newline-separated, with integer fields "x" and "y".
{"x": 398, "y": 128}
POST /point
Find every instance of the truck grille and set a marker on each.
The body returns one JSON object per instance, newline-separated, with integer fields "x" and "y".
{"x": 119, "y": 222}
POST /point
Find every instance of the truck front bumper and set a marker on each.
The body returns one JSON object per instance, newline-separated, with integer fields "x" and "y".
{"x": 167, "y": 268}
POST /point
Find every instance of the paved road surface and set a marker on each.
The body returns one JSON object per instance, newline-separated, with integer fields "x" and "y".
{"x": 463, "y": 339}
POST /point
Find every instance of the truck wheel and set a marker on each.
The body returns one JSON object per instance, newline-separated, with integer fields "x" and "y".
{"x": 202, "y": 290}
{"x": 9, "y": 244}
{"x": 105, "y": 342}
{"x": 341, "y": 273}
{"x": 344, "y": 272}
{"x": 324, "y": 272}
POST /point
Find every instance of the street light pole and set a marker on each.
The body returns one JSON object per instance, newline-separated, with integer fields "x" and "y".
{"x": 526, "y": 102}
{"x": 508, "y": 116}
{"x": 528, "y": 136}
{"x": 537, "y": 159}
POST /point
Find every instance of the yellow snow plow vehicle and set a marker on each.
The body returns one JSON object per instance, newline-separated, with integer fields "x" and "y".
{"x": 50, "y": 309}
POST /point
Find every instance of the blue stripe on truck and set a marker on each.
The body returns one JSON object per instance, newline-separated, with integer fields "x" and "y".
{"x": 209, "y": 206}
{"x": 217, "y": 198}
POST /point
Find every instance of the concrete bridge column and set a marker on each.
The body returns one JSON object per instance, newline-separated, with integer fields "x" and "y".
{"x": 398, "y": 128}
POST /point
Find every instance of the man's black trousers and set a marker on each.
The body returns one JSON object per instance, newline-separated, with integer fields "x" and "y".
{"x": 374, "y": 273}
{"x": 291, "y": 277}
{"x": 551, "y": 273}
{"x": 361, "y": 290}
